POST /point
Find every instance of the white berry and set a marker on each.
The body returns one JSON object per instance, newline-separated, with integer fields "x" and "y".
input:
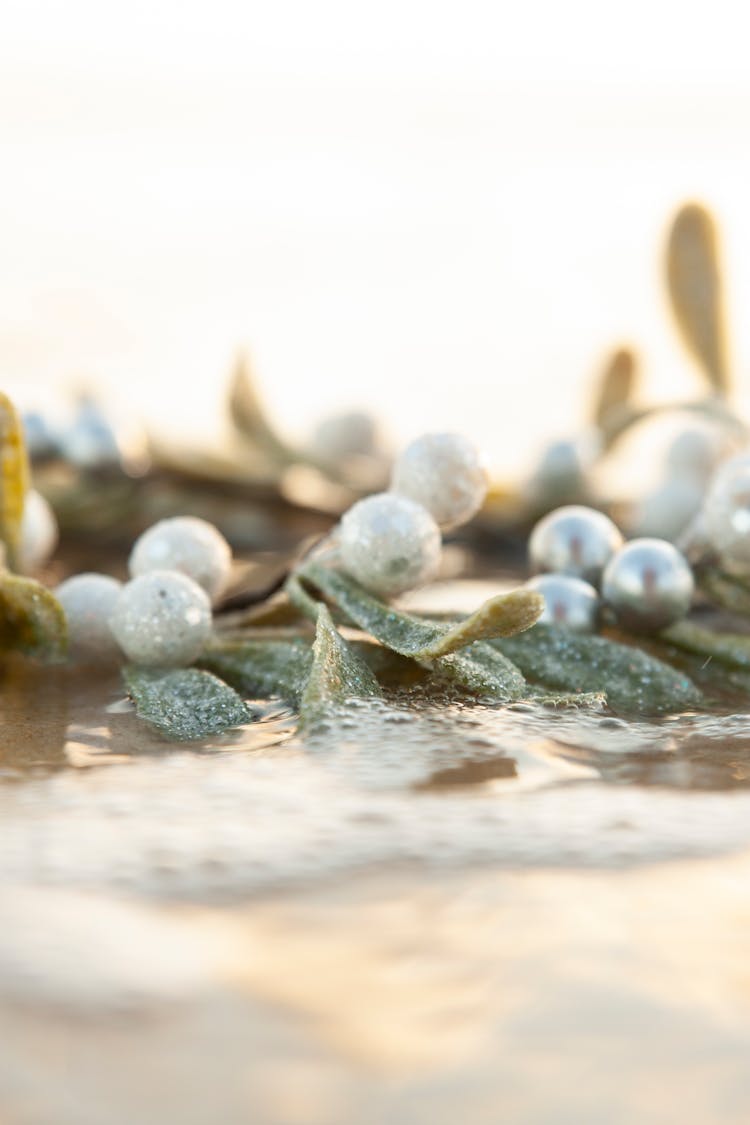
{"x": 574, "y": 540}
{"x": 188, "y": 544}
{"x": 345, "y": 435}
{"x": 39, "y": 532}
{"x": 568, "y": 601}
{"x": 389, "y": 544}
{"x": 726, "y": 514}
{"x": 443, "y": 473}
{"x": 162, "y": 619}
{"x": 669, "y": 510}
{"x": 89, "y": 601}
{"x": 648, "y": 584}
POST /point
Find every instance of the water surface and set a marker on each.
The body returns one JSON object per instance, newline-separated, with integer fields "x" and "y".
{"x": 429, "y": 914}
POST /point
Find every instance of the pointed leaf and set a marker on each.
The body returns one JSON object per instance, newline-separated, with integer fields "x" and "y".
{"x": 694, "y": 281}
{"x": 185, "y": 704}
{"x": 614, "y": 406}
{"x": 412, "y": 636}
{"x": 248, "y": 415}
{"x": 336, "y": 674}
{"x": 633, "y": 681}
{"x": 501, "y": 616}
{"x": 300, "y": 599}
{"x": 32, "y": 621}
{"x": 14, "y": 479}
{"x": 614, "y": 396}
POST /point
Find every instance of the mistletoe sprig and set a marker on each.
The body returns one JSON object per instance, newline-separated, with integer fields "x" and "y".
{"x": 606, "y": 623}
{"x": 191, "y": 674}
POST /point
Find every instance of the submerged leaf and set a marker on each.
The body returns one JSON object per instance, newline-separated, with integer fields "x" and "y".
{"x": 185, "y": 704}
{"x": 262, "y": 669}
{"x": 336, "y": 675}
{"x": 32, "y": 621}
{"x": 574, "y": 701}
{"x": 412, "y": 636}
{"x": 694, "y": 281}
{"x": 633, "y": 681}
{"x": 14, "y": 479}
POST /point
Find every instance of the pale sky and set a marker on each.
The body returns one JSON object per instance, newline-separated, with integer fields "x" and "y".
{"x": 443, "y": 212}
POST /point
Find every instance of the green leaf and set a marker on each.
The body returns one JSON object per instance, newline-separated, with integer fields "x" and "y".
{"x": 726, "y": 590}
{"x": 32, "y": 621}
{"x": 184, "y": 704}
{"x": 479, "y": 671}
{"x": 729, "y": 648}
{"x": 633, "y": 681}
{"x": 336, "y": 675}
{"x": 389, "y": 669}
{"x": 501, "y": 616}
{"x": 299, "y": 598}
{"x": 262, "y": 669}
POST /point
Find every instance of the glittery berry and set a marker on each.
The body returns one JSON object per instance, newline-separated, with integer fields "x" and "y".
{"x": 443, "y": 473}
{"x": 187, "y": 544}
{"x": 162, "y": 619}
{"x": 389, "y": 544}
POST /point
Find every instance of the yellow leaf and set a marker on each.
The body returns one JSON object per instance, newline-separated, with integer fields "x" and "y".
{"x": 695, "y": 288}
{"x": 14, "y": 478}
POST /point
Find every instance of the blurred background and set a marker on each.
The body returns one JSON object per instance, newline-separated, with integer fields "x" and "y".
{"x": 444, "y": 213}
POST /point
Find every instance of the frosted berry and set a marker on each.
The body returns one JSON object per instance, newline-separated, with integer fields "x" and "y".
{"x": 389, "y": 544}
{"x": 187, "y": 544}
{"x": 89, "y": 601}
{"x": 162, "y": 619}
{"x": 443, "y": 473}
{"x": 39, "y": 532}
{"x": 345, "y": 435}
{"x": 726, "y": 514}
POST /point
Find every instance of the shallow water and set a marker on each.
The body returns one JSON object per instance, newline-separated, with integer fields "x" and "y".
{"x": 450, "y": 913}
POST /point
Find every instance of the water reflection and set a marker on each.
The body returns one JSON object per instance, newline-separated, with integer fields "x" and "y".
{"x": 57, "y": 717}
{"x": 695, "y": 762}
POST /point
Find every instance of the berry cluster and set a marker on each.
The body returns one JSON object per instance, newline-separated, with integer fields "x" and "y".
{"x": 162, "y": 616}
{"x": 647, "y": 583}
{"x": 391, "y": 542}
